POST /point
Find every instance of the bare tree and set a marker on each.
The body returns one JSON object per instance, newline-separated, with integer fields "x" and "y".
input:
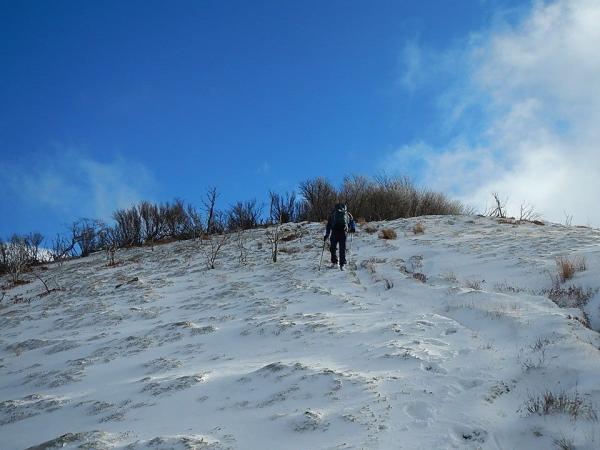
{"x": 212, "y": 247}
{"x": 527, "y": 213}
{"x": 175, "y": 218}
{"x": 84, "y": 233}
{"x": 499, "y": 210}
{"x": 244, "y": 215}
{"x": 62, "y": 249}
{"x": 3, "y": 257}
{"x": 34, "y": 241}
{"x": 152, "y": 221}
{"x": 209, "y": 206}
{"x": 195, "y": 222}
{"x": 318, "y": 196}
{"x": 274, "y": 236}
{"x": 273, "y": 233}
{"x": 129, "y": 226}
{"x": 240, "y": 242}
{"x": 355, "y": 193}
{"x": 45, "y": 283}
{"x": 284, "y": 207}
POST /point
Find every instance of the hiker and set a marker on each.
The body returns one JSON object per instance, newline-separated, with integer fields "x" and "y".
{"x": 340, "y": 222}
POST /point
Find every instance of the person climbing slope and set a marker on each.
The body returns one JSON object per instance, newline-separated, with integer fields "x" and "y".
{"x": 340, "y": 222}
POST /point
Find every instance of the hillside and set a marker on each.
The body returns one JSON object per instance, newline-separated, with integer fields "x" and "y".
{"x": 160, "y": 353}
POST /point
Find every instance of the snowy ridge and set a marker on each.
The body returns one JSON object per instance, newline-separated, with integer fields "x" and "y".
{"x": 283, "y": 356}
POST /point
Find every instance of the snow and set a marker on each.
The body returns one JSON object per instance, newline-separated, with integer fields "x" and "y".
{"x": 263, "y": 355}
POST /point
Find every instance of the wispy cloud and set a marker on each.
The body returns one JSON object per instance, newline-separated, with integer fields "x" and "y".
{"x": 537, "y": 87}
{"x": 411, "y": 65}
{"x": 77, "y": 185}
{"x": 264, "y": 168}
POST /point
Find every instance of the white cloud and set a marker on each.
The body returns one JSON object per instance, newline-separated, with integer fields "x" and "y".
{"x": 77, "y": 185}
{"x": 538, "y": 83}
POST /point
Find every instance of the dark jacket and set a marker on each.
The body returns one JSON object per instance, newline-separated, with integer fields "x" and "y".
{"x": 330, "y": 223}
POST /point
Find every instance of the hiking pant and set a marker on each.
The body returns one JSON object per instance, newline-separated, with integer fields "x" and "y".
{"x": 338, "y": 237}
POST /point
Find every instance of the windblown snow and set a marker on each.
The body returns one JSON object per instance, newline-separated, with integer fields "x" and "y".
{"x": 440, "y": 340}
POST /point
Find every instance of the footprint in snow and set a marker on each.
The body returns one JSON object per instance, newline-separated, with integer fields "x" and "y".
{"x": 420, "y": 412}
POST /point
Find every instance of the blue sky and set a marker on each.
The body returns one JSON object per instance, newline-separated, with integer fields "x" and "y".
{"x": 107, "y": 103}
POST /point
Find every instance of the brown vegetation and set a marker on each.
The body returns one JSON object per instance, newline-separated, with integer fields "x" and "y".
{"x": 387, "y": 233}
{"x": 568, "y": 266}
{"x": 419, "y": 228}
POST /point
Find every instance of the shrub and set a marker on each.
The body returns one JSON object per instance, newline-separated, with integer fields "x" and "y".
{"x": 420, "y": 277}
{"x": 419, "y": 228}
{"x": 387, "y": 233}
{"x": 569, "y": 297}
{"x": 382, "y": 198}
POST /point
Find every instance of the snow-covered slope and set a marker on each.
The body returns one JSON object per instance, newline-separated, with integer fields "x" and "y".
{"x": 283, "y": 356}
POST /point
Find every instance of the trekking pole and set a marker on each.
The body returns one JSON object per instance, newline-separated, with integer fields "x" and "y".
{"x": 350, "y": 248}
{"x": 322, "y": 251}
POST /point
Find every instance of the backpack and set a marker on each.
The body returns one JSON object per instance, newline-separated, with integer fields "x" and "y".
{"x": 340, "y": 220}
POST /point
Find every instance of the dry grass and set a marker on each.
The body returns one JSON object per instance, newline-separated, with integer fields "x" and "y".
{"x": 506, "y": 288}
{"x": 474, "y": 284}
{"x": 508, "y": 220}
{"x": 419, "y": 228}
{"x": 387, "y": 233}
{"x": 568, "y": 266}
{"x": 289, "y": 250}
{"x": 572, "y": 404}
{"x": 291, "y": 236}
{"x": 564, "y": 443}
{"x": 449, "y": 276}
